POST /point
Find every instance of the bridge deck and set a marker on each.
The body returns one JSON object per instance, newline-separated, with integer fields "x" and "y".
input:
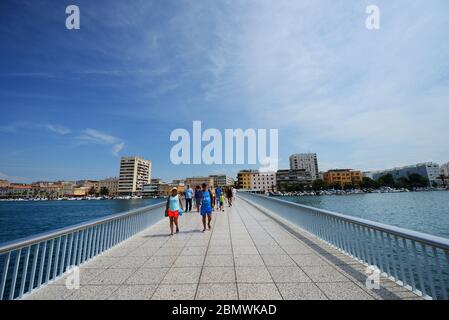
{"x": 246, "y": 255}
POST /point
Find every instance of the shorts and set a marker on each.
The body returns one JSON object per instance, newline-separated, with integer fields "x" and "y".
{"x": 173, "y": 213}
{"x": 205, "y": 211}
{"x": 221, "y": 203}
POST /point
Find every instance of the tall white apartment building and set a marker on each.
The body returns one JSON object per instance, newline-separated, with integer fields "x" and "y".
{"x": 305, "y": 161}
{"x": 263, "y": 181}
{"x": 134, "y": 173}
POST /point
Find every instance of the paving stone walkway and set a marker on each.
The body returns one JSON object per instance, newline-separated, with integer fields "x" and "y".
{"x": 246, "y": 255}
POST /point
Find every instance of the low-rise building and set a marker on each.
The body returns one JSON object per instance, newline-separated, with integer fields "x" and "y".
{"x": 4, "y": 183}
{"x": 111, "y": 184}
{"x": 154, "y": 189}
{"x": 222, "y": 180}
{"x": 67, "y": 188}
{"x": 343, "y": 177}
{"x": 244, "y": 179}
{"x": 444, "y": 170}
{"x": 429, "y": 170}
{"x": 263, "y": 181}
{"x": 80, "y": 191}
{"x": 198, "y": 181}
{"x": 19, "y": 190}
{"x": 288, "y": 180}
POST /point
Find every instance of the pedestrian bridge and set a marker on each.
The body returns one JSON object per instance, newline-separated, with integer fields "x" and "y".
{"x": 260, "y": 248}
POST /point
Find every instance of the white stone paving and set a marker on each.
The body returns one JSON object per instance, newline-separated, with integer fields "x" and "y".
{"x": 246, "y": 255}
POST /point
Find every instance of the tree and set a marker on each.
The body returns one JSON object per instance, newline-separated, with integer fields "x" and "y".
{"x": 386, "y": 180}
{"x": 417, "y": 181}
{"x": 318, "y": 184}
{"x": 443, "y": 178}
{"x": 104, "y": 191}
{"x": 336, "y": 186}
{"x": 92, "y": 191}
{"x": 403, "y": 182}
{"x": 369, "y": 183}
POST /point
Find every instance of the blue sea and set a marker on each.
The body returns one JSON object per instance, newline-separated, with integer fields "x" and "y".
{"x": 20, "y": 219}
{"x": 426, "y": 212}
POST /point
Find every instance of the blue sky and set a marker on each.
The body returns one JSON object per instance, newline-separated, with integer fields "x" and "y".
{"x": 73, "y": 102}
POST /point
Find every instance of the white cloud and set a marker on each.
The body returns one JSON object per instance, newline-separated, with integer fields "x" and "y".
{"x": 5, "y": 176}
{"x": 58, "y": 129}
{"x": 313, "y": 68}
{"x": 99, "y": 137}
{"x": 14, "y": 127}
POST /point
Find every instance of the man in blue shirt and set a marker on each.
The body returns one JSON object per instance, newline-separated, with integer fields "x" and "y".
{"x": 218, "y": 192}
{"x": 189, "y": 195}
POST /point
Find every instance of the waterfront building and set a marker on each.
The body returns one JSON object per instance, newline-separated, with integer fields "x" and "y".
{"x": 343, "y": 177}
{"x": 134, "y": 173}
{"x": 263, "y": 181}
{"x": 288, "y": 180}
{"x": 111, "y": 184}
{"x": 18, "y": 190}
{"x": 198, "y": 181}
{"x": 67, "y": 188}
{"x": 221, "y": 180}
{"x": 4, "y": 183}
{"x": 244, "y": 179}
{"x": 306, "y": 161}
{"x": 150, "y": 190}
{"x": 155, "y": 188}
{"x": 321, "y": 175}
{"x": 429, "y": 170}
{"x": 80, "y": 191}
{"x": 88, "y": 183}
{"x": 444, "y": 170}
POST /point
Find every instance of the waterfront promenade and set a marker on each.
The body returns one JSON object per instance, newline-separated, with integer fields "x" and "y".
{"x": 246, "y": 255}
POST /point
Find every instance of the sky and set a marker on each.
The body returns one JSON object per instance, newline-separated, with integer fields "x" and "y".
{"x": 73, "y": 102}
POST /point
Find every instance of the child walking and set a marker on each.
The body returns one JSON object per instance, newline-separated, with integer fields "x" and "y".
{"x": 222, "y": 199}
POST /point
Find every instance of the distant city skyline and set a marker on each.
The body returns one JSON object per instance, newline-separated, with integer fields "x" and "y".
{"x": 74, "y": 101}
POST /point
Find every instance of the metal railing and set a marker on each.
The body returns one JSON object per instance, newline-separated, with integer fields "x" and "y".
{"x": 417, "y": 261}
{"x": 32, "y": 262}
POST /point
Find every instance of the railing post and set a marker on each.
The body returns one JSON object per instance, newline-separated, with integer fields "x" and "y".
{"x": 5, "y": 273}
{"x": 49, "y": 260}
{"x": 42, "y": 264}
{"x": 24, "y": 272}
{"x": 58, "y": 252}
{"x": 33, "y": 269}
{"x": 12, "y": 289}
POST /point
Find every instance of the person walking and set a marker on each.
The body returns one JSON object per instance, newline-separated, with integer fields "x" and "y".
{"x": 189, "y": 195}
{"x": 206, "y": 206}
{"x": 218, "y": 192}
{"x": 234, "y": 192}
{"x": 197, "y": 197}
{"x": 222, "y": 200}
{"x": 172, "y": 208}
{"x": 229, "y": 195}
